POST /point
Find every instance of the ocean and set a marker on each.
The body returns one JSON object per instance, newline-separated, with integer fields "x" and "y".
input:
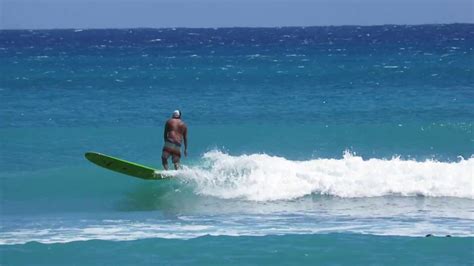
{"x": 338, "y": 145}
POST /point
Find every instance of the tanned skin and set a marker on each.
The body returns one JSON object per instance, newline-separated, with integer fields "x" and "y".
{"x": 177, "y": 131}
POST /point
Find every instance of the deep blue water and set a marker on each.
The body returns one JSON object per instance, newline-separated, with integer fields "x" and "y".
{"x": 343, "y": 145}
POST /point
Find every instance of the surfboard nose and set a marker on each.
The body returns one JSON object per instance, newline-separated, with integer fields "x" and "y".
{"x": 122, "y": 166}
{"x": 90, "y": 155}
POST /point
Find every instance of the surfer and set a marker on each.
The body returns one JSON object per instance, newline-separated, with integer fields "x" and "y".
{"x": 175, "y": 132}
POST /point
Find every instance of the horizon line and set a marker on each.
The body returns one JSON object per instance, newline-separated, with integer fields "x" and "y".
{"x": 239, "y": 27}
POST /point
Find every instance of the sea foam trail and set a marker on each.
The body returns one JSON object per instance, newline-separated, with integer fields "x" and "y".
{"x": 260, "y": 177}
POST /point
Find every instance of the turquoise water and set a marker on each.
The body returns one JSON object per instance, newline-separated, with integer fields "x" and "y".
{"x": 331, "y": 249}
{"x": 332, "y": 145}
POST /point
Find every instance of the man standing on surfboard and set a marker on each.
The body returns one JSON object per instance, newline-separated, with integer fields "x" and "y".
{"x": 176, "y": 132}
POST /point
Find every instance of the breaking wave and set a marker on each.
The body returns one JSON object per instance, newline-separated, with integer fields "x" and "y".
{"x": 260, "y": 177}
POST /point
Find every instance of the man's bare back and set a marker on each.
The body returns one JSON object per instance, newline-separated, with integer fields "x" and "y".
{"x": 174, "y": 134}
{"x": 175, "y": 129}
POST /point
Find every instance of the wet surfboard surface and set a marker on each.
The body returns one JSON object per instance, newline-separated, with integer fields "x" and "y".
{"x": 123, "y": 166}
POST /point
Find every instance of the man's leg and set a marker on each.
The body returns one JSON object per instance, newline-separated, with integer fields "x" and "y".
{"x": 164, "y": 159}
{"x": 176, "y": 161}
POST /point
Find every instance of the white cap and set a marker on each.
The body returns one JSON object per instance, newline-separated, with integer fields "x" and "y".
{"x": 176, "y": 114}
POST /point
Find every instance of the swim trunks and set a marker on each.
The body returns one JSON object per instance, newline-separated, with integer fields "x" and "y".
{"x": 172, "y": 147}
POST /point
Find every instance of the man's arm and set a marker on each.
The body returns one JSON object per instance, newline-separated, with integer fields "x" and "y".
{"x": 185, "y": 139}
{"x": 165, "y": 133}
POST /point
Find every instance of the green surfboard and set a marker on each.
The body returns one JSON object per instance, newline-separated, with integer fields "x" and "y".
{"x": 124, "y": 167}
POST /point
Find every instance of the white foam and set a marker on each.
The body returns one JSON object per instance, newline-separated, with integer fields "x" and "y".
{"x": 247, "y": 225}
{"x": 260, "y": 177}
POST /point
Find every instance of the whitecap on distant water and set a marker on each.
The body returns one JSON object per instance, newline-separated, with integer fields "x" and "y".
{"x": 295, "y": 55}
{"x": 252, "y": 56}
